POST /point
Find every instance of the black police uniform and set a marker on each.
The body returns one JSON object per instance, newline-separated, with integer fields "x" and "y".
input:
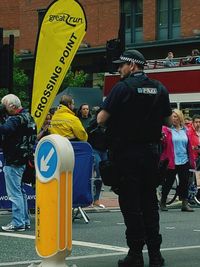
{"x": 137, "y": 108}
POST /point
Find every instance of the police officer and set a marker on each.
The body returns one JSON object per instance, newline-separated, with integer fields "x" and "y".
{"x": 134, "y": 112}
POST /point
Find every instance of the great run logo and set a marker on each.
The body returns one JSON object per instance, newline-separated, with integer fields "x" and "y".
{"x": 67, "y": 18}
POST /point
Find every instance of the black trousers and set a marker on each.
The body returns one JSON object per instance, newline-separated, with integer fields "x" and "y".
{"x": 137, "y": 194}
{"x": 183, "y": 174}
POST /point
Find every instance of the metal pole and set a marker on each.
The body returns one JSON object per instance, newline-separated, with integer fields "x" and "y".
{"x": 1, "y": 38}
{"x": 11, "y": 55}
{"x": 1, "y": 51}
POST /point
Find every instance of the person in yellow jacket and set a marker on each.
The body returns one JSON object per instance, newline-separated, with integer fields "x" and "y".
{"x": 65, "y": 123}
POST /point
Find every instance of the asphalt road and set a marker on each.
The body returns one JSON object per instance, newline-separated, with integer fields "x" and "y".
{"x": 101, "y": 242}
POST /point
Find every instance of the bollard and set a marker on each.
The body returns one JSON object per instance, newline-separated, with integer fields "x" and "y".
{"x": 54, "y": 161}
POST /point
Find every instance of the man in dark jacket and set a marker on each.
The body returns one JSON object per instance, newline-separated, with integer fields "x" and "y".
{"x": 134, "y": 111}
{"x": 14, "y": 133}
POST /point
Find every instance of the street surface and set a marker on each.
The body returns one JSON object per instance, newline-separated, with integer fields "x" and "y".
{"x": 101, "y": 242}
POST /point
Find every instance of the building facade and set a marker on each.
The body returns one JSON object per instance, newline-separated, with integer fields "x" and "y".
{"x": 152, "y": 26}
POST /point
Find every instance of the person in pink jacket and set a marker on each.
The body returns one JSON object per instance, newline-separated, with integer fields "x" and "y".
{"x": 194, "y": 134}
{"x": 178, "y": 150}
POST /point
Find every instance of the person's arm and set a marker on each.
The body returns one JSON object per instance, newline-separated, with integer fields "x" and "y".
{"x": 112, "y": 102}
{"x": 10, "y": 125}
{"x": 102, "y": 117}
{"x": 78, "y": 130}
{"x": 44, "y": 131}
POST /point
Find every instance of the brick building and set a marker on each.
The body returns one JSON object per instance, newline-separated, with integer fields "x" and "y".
{"x": 152, "y": 26}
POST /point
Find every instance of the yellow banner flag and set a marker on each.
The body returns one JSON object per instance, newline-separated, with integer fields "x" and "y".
{"x": 62, "y": 30}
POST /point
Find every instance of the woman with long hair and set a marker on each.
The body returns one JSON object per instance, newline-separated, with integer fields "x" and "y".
{"x": 84, "y": 115}
{"x": 178, "y": 150}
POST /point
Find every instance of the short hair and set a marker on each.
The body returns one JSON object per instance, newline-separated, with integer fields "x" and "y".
{"x": 66, "y": 100}
{"x": 140, "y": 66}
{"x": 11, "y": 100}
{"x": 179, "y": 113}
{"x": 188, "y": 118}
{"x": 195, "y": 52}
{"x": 195, "y": 116}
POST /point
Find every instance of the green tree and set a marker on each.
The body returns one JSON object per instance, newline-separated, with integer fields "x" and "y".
{"x": 20, "y": 83}
{"x": 74, "y": 79}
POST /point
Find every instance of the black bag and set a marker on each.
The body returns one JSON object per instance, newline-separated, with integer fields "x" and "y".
{"x": 29, "y": 175}
{"x": 29, "y": 136}
{"x": 96, "y": 135}
{"x": 109, "y": 172}
{"x": 27, "y": 147}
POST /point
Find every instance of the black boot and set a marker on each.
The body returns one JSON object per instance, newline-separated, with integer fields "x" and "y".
{"x": 132, "y": 260}
{"x": 156, "y": 259}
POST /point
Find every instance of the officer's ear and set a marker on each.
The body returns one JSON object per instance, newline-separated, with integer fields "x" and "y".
{"x": 132, "y": 66}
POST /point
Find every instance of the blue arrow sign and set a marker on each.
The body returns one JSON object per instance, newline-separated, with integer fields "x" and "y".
{"x": 47, "y": 159}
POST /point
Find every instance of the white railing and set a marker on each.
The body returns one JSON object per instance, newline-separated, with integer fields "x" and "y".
{"x": 162, "y": 63}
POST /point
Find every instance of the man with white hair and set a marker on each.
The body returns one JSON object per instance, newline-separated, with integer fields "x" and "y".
{"x": 14, "y": 134}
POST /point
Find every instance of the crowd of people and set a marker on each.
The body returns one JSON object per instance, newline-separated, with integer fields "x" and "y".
{"x": 79, "y": 125}
{"x": 180, "y": 144}
{"x": 133, "y": 151}
{"x": 170, "y": 61}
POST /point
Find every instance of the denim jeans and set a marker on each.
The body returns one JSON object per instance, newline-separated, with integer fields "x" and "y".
{"x": 98, "y": 156}
{"x": 13, "y": 179}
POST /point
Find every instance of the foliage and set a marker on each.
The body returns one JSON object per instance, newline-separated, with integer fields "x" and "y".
{"x": 100, "y": 80}
{"x": 20, "y": 83}
{"x": 74, "y": 79}
{"x": 3, "y": 92}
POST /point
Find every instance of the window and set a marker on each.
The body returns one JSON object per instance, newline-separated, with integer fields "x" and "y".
{"x": 133, "y": 10}
{"x": 168, "y": 19}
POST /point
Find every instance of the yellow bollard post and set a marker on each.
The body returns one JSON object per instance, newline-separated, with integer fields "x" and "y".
{"x": 54, "y": 161}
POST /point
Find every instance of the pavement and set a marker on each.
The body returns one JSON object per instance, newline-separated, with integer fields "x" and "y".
{"x": 108, "y": 198}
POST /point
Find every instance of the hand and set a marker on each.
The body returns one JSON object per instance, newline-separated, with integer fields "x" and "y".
{"x": 45, "y": 128}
